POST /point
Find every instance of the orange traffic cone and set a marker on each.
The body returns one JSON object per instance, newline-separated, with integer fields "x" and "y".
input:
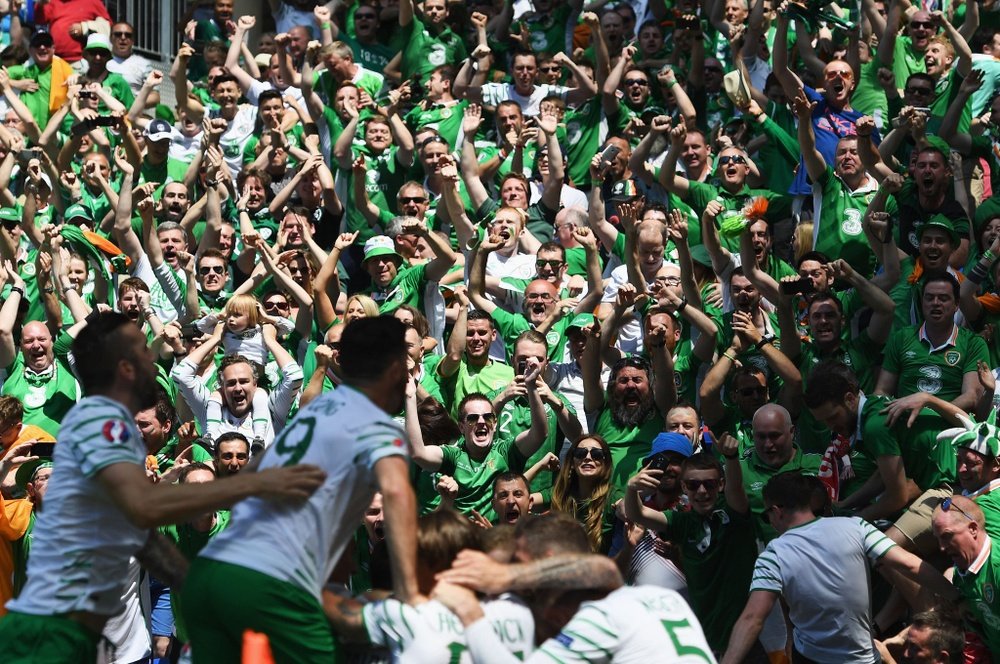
{"x": 256, "y": 648}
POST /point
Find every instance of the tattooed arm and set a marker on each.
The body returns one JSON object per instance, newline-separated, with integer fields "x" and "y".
{"x": 344, "y": 614}
{"x": 476, "y": 570}
{"x": 163, "y": 560}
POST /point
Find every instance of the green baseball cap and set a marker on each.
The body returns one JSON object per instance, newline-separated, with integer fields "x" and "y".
{"x": 990, "y": 209}
{"x": 10, "y": 214}
{"x": 78, "y": 211}
{"x": 938, "y": 144}
{"x": 580, "y": 321}
{"x": 942, "y": 222}
{"x": 26, "y": 472}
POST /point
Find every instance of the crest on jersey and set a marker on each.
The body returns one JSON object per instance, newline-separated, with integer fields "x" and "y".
{"x": 115, "y": 431}
{"x": 952, "y": 357}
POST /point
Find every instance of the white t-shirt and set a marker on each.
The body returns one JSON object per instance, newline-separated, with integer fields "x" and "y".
{"x": 494, "y": 93}
{"x": 82, "y": 541}
{"x": 632, "y": 625}
{"x": 343, "y": 433}
{"x": 822, "y": 570}
{"x": 432, "y": 634}
{"x": 134, "y": 69}
{"x": 235, "y": 138}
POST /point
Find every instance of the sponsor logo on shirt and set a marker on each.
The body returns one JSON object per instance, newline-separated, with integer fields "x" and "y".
{"x": 565, "y": 639}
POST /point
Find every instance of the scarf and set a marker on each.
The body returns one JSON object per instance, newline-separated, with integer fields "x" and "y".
{"x": 58, "y": 91}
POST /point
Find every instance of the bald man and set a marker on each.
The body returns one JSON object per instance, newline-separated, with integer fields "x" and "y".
{"x": 36, "y": 375}
{"x": 960, "y": 527}
{"x": 774, "y": 452}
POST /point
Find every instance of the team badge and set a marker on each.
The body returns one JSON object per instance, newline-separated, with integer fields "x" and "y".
{"x": 552, "y": 338}
{"x": 952, "y": 357}
{"x": 115, "y": 431}
{"x": 35, "y": 397}
{"x": 29, "y": 269}
{"x": 445, "y": 113}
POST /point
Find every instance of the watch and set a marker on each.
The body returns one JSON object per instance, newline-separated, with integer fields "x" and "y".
{"x": 764, "y": 340}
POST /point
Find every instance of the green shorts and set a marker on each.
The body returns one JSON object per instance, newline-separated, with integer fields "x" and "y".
{"x": 29, "y": 639}
{"x": 221, "y": 601}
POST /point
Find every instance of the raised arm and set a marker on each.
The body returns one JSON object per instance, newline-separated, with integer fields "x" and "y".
{"x": 669, "y": 178}
{"x": 8, "y": 315}
{"x": 815, "y": 164}
{"x": 949, "y": 124}
{"x": 444, "y": 257}
{"x": 477, "y": 274}
{"x": 469, "y": 164}
{"x": 528, "y": 442}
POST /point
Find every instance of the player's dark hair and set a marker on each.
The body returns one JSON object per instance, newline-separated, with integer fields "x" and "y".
{"x": 369, "y": 346}
{"x": 828, "y": 382}
{"x": 190, "y": 468}
{"x": 441, "y": 535}
{"x": 701, "y": 461}
{"x": 791, "y": 490}
{"x": 99, "y": 348}
{"x": 551, "y": 534}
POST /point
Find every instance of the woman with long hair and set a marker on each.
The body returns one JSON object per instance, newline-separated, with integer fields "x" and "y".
{"x": 583, "y": 486}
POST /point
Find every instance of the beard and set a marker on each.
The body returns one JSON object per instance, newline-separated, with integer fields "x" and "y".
{"x": 628, "y": 416}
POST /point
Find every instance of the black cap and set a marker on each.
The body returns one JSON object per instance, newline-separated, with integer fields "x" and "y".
{"x": 41, "y": 38}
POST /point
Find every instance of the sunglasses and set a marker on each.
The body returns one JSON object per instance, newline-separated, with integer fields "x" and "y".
{"x": 473, "y": 418}
{"x": 550, "y": 69}
{"x": 126, "y": 35}
{"x": 752, "y": 391}
{"x": 837, "y": 73}
{"x": 947, "y": 504}
{"x": 365, "y": 17}
{"x": 88, "y": 95}
{"x": 733, "y": 159}
{"x": 554, "y": 264}
{"x": 403, "y": 200}
{"x": 211, "y": 269}
{"x": 922, "y": 24}
{"x": 268, "y": 306}
{"x": 919, "y": 91}
{"x": 638, "y": 81}
{"x": 595, "y": 453}
{"x": 694, "y": 485}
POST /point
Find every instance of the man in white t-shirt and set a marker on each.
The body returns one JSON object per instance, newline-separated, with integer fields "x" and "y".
{"x": 132, "y": 67}
{"x": 101, "y": 504}
{"x": 266, "y": 571}
{"x": 819, "y": 566}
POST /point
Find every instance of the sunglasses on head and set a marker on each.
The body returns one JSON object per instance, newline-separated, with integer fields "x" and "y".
{"x": 211, "y": 269}
{"x": 732, "y": 158}
{"x": 694, "y": 485}
{"x": 948, "y": 503}
{"x": 473, "y": 418}
{"x": 595, "y": 453}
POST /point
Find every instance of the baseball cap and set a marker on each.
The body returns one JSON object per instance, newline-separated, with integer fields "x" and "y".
{"x": 939, "y": 144}
{"x": 158, "y": 130}
{"x": 624, "y": 190}
{"x": 10, "y": 214}
{"x": 78, "y": 211}
{"x": 96, "y": 41}
{"x": 671, "y": 441}
{"x": 27, "y": 471}
{"x": 41, "y": 37}
{"x": 988, "y": 210}
{"x": 380, "y": 245}
{"x": 580, "y": 321}
{"x": 942, "y": 222}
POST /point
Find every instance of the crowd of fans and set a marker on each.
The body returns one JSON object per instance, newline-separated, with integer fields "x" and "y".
{"x": 717, "y": 280}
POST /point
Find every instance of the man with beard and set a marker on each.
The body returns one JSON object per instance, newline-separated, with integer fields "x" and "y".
{"x": 543, "y": 308}
{"x": 101, "y": 503}
{"x": 929, "y": 195}
{"x": 938, "y": 357}
{"x": 37, "y": 375}
{"x": 732, "y": 192}
{"x": 485, "y": 452}
{"x": 159, "y": 263}
{"x": 512, "y": 499}
{"x": 631, "y": 411}
{"x": 232, "y": 453}
{"x": 238, "y": 380}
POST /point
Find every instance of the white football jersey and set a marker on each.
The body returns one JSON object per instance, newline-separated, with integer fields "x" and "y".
{"x": 432, "y": 634}
{"x": 632, "y": 625}
{"x": 343, "y": 433}
{"x": 82, "y": 542}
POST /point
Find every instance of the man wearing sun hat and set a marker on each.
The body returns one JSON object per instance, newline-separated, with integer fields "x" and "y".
{"x": 392, "y": 283}
{"x": 97, "y": 53}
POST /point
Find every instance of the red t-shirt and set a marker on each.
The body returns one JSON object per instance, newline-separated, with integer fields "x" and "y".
{"x": 61, "y": 14}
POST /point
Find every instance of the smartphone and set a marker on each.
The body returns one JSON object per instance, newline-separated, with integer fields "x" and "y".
{"x": 190, "y": 331}
{"x": 609, "y": 153}
{"x": 81, "y": 128}
{"x": 687, "y": 23}
{"x": 522, "y": 367}
{"x": 922, "y": 109}
{"x": 659, "y": 462}
{"x": 43, "y": 449}
{"x": 26, "y": 155}
{"x": 803, "y": 285}
{"x": 416, "y": 89}
{"x": 105, "y": 121}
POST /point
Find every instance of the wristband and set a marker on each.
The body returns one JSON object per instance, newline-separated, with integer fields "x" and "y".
{"x": 148, "y": 312}
{"x": 212, "y": 183}
{"x": 325, "y": 25}
{"x": 731, "y": 358}
{"x": 978, "y": 273}
{"x": 683, "y": 305}
{"x": 68, "y": 287}
{"x": 18, "y": 290}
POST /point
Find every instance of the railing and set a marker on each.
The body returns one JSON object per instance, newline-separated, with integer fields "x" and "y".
{"x": 155, "y": 21}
